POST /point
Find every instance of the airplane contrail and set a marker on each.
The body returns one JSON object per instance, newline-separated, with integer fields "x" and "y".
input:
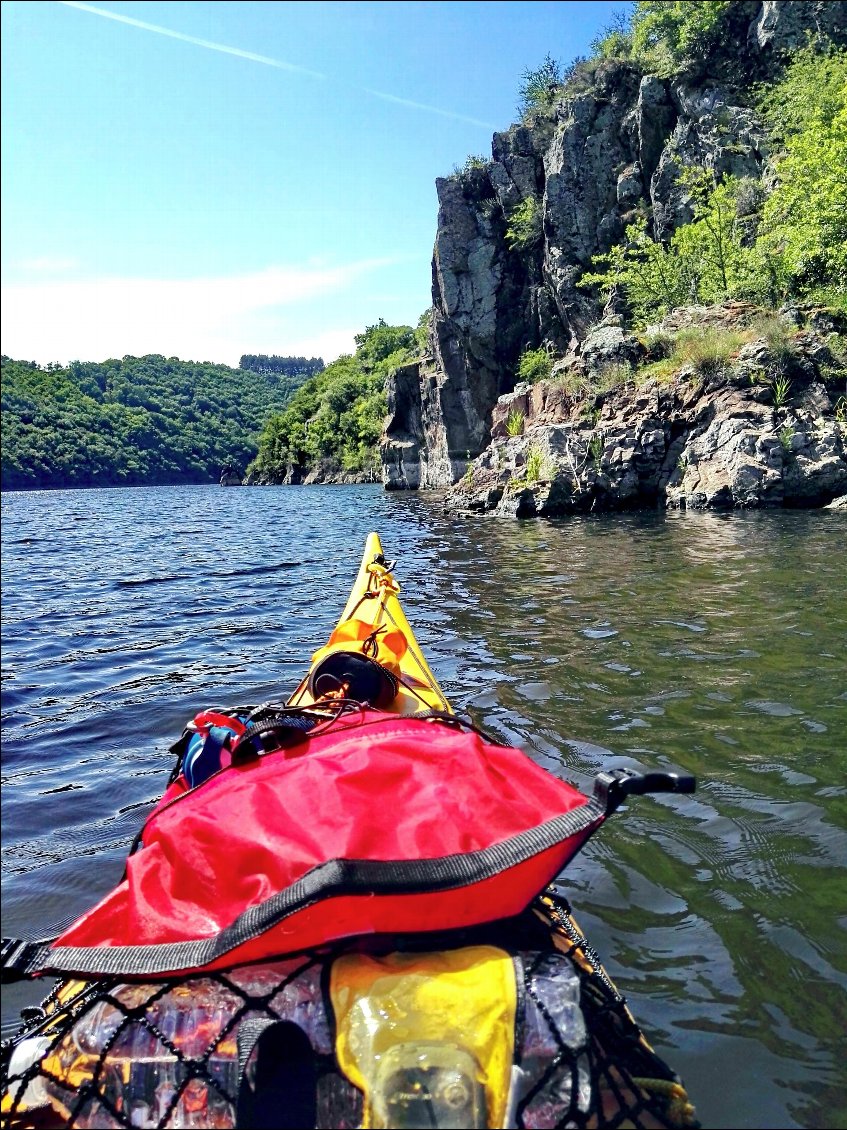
{"x": 208, "y": 43}
{"x": 425, "y": 106}
{"x": 267, "y": 61}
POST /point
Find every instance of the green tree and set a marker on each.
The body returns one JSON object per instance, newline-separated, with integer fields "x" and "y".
{"x": 707, "y": 260}
{"x": 335, "y": 419}
{"x": 422, "y": 331}
{"x": 669, "y": 34}
{"x": 539, "y": 87}
{"x": 525, "y": 226}
{"x": 615, "y": 40}
{"x": 137, "y": 420}
{"x": 803, "y": 232}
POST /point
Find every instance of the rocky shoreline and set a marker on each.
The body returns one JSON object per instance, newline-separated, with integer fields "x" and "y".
{"x": 764, "y": 427}
{"x": 322, "y": 475}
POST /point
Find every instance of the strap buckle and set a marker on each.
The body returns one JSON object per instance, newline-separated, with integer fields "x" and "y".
{"x": 15, "y": 959}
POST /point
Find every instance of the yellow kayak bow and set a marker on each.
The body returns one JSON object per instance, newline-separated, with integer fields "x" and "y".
{"x": 373, "y": 625}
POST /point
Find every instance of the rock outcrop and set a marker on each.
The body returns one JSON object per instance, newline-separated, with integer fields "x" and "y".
{"x": 616, "y": 144}
{"x": 766, "y": 426}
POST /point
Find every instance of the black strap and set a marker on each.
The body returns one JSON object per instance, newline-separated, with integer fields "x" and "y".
{"x": 249, "y": 1032}
{"x": 269, "y": 734}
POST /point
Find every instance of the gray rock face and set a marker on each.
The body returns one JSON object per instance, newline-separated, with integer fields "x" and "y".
{"x": 618, "y": 141}
{"x": 782, "y": 25}
{"x": 732, "y": 438}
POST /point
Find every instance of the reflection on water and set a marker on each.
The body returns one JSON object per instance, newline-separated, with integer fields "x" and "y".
{"x": 712, "y": 643}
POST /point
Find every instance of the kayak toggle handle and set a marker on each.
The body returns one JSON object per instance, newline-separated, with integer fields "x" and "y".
{"x": 381, "y": 560}
{"x": 612, "y": 788}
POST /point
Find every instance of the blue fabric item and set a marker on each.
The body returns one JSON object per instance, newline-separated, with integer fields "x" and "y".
{"x": 203, "y": 756}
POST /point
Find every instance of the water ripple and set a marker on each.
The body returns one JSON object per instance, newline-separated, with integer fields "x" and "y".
{"x": 711, "y": 644}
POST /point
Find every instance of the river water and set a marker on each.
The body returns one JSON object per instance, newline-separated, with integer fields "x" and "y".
{"x": 711, "y": 643}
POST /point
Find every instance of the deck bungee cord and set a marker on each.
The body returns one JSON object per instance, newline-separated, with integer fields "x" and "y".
{"x": 339, "y": 914}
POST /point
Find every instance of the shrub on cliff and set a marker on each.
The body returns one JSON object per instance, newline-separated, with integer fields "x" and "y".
{"x": 706, "y": 261}
{"x": 525, "y": 225}
{"x": 742, "y": 242}
{"x": 615, "y": 40}
{"x": 803, "y": 233}
{"x": 534, "y": 365}
{"x": 669, "y": 34}
{"x": 539, "y": 87}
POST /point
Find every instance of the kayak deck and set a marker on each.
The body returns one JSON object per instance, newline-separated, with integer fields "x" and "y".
{"x": 373, "y": 603}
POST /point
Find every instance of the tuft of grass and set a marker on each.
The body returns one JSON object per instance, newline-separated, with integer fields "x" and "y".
{"x": 708, "y": 349}
{"x": 777, "y": 334}
{"x": 573, "y": 383}
{"x": 840, "y": 410}
{"x": 785, "y": 436}
{"x": 658, "y": 343}
{"x": 662, "y": 371}
{"x": 514, "y": 424}
{"x": 611, "y": 376}
{"x": 534, "y": 464}
{"x": 781, "y": 387}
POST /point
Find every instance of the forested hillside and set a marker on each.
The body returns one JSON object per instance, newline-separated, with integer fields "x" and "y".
{"x": 332, "y": 426}
{"x": 138, "y": 420}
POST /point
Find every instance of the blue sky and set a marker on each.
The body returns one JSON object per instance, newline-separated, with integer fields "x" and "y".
{"x": 204, "y": 180}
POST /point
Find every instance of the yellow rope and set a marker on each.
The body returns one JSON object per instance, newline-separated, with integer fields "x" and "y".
{"x": 680, "y": 1109}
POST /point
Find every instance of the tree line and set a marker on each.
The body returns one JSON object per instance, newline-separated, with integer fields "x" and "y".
{"x": 131, "y": 421}
{"x": 288, "y": 366}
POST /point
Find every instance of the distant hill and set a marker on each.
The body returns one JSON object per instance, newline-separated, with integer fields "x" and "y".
{"x": 288, "y": 366}
{"x": 139, "y": 420}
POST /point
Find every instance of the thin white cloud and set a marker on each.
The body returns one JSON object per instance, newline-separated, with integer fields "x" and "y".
{"x": 207, "y": 43}
{"x": 212, "y": 319}
{"x": 269, "y": 62}
{"x": 429, "y": 109}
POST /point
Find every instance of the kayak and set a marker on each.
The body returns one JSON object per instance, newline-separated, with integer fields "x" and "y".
{"x": 373, "y": 610}
{"x": 341, "y": 913}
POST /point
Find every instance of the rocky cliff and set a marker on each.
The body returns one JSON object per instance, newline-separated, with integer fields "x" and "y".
{"x": 615, "y": 144}
{"x": 765, "y": 427}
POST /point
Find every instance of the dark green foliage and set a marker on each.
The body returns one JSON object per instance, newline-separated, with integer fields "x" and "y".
{"x": 742, "y": 243}
{"x": 138, "y": 420}
{"x": 335, "y": 419}
{"x": 288, "y": 366}
{"x": 667, "y": 35}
